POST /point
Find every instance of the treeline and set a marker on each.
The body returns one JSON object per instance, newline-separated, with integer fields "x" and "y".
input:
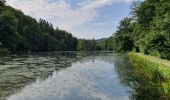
{"x": 95, "y": 45}
{"x": 86, "y": 45}
{"x": 147, "y": 30}
{"x": 21, "y": 33}
{"x": 105, "y": 44}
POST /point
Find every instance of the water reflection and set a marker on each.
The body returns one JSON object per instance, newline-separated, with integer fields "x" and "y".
{"x": 91, "y": 78}
{"x": 142, "y": 87}
{"x": 77, "y": 76}
{"x": 17, "y": 71}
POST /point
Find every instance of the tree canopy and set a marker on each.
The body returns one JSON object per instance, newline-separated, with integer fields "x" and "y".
{"x": 147, "y": 30}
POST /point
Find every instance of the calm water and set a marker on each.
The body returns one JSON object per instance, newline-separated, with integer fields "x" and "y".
{"x": 64, "y": 76}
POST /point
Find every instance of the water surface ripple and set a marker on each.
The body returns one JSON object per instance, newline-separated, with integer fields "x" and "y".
{"x": 86, "y": 77}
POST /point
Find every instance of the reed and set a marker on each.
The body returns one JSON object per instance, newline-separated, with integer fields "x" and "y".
{"x": 153, "y": 72}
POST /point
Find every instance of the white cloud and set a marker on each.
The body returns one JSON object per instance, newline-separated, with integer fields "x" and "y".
{"x": 60, "y": 13}
{"x": 94, "y": 4}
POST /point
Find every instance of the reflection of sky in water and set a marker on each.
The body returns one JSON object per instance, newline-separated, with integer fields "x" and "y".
{"x": 92, "y": 79}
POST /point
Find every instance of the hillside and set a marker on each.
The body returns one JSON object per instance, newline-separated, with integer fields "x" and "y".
{"x": 22, "y": 33}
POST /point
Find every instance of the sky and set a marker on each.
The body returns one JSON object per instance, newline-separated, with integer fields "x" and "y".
{"x": 83, "y": 18}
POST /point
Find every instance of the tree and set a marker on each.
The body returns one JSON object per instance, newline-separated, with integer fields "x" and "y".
{"x": 123, "y": 39}
{"x": 8, "y": 28}
{"x": 21, "y": 33}
{"x": 147, "y": 30}
{"x": 86, "y": 45}
{"x": 2, "y": 2}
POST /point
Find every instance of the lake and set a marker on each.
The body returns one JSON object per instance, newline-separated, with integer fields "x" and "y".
{"x": 66, "y": 76}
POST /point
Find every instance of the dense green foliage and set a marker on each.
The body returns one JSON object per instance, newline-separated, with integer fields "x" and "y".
{"x": 150, "y": 77}
{"x": 21, "y": 33}
{"x": 86, "y": 45}
{"x": 104, "y": 44}
{"x": 95, "y": 45}
{"x": 147, "y": 30}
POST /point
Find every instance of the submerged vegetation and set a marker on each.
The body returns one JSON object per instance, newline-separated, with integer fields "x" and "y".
{"x": 18, "y": 71}
{"x": 151, "y": 77}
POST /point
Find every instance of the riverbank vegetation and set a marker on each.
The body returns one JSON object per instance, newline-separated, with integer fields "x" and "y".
{"x": 152, "y": 76}
{"x": 146, "y": 30}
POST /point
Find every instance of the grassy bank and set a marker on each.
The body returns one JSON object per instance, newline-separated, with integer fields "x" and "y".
{"x": 152, "y": 74}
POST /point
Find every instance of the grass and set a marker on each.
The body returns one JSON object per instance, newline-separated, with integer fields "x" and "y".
{"x": 153, "y": 74}
{"x": 154, "y": 59}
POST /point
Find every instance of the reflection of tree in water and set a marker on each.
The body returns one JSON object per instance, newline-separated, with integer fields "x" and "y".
{"x": 92, "y": 56}
{"x": 143, "y": 85}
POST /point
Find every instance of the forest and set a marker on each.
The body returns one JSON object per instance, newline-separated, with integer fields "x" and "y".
{"x": 145, "y": 30}
{"x": 21, "y": 33}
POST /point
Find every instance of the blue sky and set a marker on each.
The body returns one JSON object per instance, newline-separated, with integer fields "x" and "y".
{"x": 83, "y": 18}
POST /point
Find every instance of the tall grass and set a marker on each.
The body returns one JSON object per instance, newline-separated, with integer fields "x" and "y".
{"x": 153, "y": 74}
